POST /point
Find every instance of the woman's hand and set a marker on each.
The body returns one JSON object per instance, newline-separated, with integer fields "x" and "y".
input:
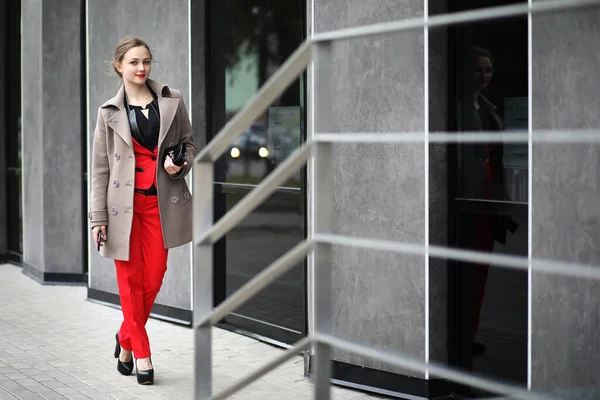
{"x": 171, "y": 168}
{"x": 95, "y": 231}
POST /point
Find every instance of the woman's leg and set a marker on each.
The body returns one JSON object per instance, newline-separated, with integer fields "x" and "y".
{"x": 484, "y": 242}
{"x": 154, "y": 256}
{"x": 130, "y": 278}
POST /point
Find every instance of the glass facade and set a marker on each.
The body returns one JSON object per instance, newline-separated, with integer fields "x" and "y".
{"x": 488, "y": 193}
{"x": 249, "y": 40}
{"x": 12, "y": 82}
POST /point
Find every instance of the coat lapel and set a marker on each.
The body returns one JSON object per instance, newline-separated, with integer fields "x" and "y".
{"x": 120, "y": 124}
{"x": 168, "y": 109}
{"x": 119, "y": 120}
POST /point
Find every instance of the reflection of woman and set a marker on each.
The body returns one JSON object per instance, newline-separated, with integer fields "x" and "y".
{"x": 488, "y": 229}
{"x": 140, "y": 204}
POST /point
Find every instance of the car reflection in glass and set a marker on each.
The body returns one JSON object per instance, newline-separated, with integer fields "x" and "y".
{"x": 249, "y": 156}
{"x": 252, "y": 144}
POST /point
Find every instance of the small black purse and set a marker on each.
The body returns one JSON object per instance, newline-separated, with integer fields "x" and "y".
{"x": 177, "y": 153}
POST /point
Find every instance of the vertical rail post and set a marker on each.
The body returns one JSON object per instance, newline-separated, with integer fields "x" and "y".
{"x": 323, "y": 75}
{"x": 202, "y": 277}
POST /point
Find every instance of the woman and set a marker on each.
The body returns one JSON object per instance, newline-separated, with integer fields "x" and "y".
{"x": 488, "y": 229}
{"x": 140, "y": 205}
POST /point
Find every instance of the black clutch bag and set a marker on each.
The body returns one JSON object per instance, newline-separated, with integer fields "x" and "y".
{"x": 178, "y": 154}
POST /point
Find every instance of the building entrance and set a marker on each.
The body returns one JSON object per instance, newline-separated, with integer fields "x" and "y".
{"x": 248, "y": 41}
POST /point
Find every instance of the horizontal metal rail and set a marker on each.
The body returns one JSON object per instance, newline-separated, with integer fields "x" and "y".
{"x": 463, "y": 17}
{"x": 257, "y": 196}
{"x": 300, "y": 156}
{"x": 412, "y": 363}
{"x": 476, "y": 257}
{"x": 287, "y": 355}
{"x": 542, "y": 136}
{"x": 295, "y": 255}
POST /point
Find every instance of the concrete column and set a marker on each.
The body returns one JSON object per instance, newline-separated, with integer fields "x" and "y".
{"x": 380, "y": 298}
{"x": 52, "y": 140}
{"x": 566, "y": 194}
{"x": 163, "y": 24}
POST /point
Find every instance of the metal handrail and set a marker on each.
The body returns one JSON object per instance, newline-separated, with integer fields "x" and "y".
{"x": 396, "y": 358}
{"x": 455, "y": 18}
{"x": 257, "y": 196}
{"x": 206, "y": 233}
{"x": 274, "y": 87}
{"x": 302, "y": 57}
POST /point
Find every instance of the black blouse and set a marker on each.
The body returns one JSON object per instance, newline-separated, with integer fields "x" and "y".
{"x": 148, "y": 127}
{"x": 147, "y": 130}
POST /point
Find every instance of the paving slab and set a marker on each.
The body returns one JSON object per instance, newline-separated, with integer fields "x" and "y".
{"x": 54, "y": 344}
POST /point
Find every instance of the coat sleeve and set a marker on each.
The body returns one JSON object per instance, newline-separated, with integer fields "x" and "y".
{"x": 185, "y": 136}
{"x": 100, "y": 174}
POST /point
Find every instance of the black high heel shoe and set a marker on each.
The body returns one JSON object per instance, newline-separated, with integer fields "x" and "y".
{"x": 124, "y": 367}
{"x": 144, "y": 376}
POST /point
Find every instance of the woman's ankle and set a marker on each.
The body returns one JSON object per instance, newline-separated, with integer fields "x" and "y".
{"x": 125, "y": 355}
{"x": 144, "y": 363}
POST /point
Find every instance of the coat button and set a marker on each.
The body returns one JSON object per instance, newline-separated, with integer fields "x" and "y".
{"x": 114, "y": 211}
{"x": 187, "y": 195}
{"x": 174, "y": 199}
{"x": 117, "y": 156}
{"x": 153, "y": 158}
{"x": 116, "y": 184}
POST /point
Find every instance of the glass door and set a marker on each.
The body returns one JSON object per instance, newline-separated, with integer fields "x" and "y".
{"x": 248, "y": 41}
{"x": 489, "y": 196}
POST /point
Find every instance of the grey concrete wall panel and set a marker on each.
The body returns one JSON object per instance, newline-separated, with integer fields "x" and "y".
{"x": 438, "y": 191}
{"x": 566, "y": 192}
{"x": 164, "y": 26}
{"x": 379, "y": 189}
{"x": 32, "y": 139}
{"x": 51, "y": 135}
{"x": 3, "y": 199}
{"x": 62, "y": 136}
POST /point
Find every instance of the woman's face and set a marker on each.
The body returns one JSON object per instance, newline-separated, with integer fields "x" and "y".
{"x": 483, "y": 72}
{"x": 136, "y": 66}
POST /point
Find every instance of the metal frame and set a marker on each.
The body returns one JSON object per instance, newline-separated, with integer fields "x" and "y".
{"x": 321, "y": 240}
{"x": 12, "y": 44}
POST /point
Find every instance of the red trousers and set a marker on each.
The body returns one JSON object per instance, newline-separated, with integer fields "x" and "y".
{"x": 484, "y": 242}
{"x": 141, "y": 277}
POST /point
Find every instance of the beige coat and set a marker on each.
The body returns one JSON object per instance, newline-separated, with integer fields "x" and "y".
{"x": 113, "y": 173}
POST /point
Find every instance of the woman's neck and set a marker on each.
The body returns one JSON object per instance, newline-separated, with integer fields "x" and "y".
{"x": 476, "y": 99}
{"x": 137, "y": 94}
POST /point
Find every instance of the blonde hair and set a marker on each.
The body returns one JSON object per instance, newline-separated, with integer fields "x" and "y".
{"x": 124, "y": 45}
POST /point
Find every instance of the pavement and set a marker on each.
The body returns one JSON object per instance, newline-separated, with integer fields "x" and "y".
{"x": 54, "y": 344}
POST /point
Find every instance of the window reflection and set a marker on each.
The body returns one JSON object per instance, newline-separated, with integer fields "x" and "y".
{"x": 492, "y": 170}
{"x": 252, "y": 38}
{"x": 494, "y": 302}
{"x": 490, "y": 194}
{"x": 261, "y": 35}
